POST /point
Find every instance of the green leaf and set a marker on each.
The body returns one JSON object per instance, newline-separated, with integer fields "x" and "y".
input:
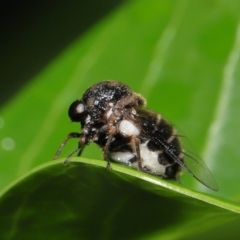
{"x": 86, "y": 201}
{"x": 183, "y": 56}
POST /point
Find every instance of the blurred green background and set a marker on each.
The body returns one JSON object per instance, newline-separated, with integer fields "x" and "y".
{"x": 33, "y": 34}
{"x": 183, "y": 56}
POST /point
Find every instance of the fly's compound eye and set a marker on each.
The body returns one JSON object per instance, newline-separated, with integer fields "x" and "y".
{"x": 77, "y": 111}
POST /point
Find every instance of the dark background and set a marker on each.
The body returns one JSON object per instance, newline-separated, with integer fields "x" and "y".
{"x": 32, "y": 32}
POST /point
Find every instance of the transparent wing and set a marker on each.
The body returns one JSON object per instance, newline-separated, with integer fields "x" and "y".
{"x": 193, "y": 165}
{"x": 198, "y": 169}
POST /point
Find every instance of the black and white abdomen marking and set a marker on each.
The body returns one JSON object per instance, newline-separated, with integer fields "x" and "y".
{"x": 154, "y": 159}
{"x": 149, "y": 160}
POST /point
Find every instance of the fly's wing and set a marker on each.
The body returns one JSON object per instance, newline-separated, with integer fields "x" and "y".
{"x": 198, "y": 169}
{"x": 193, "y": 164}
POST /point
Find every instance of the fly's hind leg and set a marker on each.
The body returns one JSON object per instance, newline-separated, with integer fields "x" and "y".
{"x": 134, "y": 143}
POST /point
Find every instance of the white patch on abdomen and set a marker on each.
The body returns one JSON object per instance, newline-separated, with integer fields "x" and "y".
{"x": 122, "y": 157}
{"x": 149, "y": 160}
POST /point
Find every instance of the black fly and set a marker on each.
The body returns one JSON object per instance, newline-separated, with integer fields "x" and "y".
{"x": 115, "y": 118}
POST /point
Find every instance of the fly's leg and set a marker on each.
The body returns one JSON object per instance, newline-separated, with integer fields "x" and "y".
{"x": 106, "y": 152}
{"x": 66, "y": 161}
{"x": 81, "y": 146}
{"x": 69, "y": 136}
{"x": 134, "y": 143}
{"x": 111, "y": 131}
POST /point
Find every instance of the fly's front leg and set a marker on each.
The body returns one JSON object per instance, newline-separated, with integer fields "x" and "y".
{"x": 69, "y": 136}
{"x": 66, "y": 161}
{"x": 81, "y": 146}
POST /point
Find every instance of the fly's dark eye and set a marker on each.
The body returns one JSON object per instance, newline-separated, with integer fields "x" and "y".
{"x": 77, "y": 111}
